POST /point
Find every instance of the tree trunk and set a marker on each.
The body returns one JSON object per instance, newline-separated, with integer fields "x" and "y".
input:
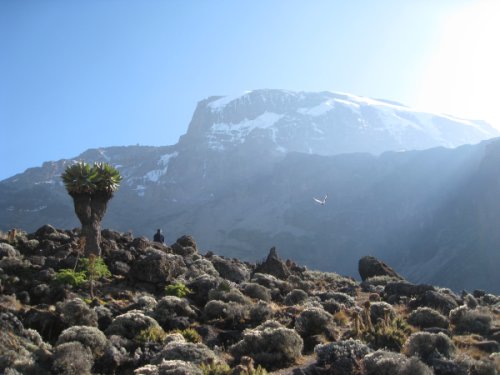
{"x": 90, "y": 210}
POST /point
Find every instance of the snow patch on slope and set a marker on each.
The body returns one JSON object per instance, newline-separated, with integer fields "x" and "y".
{"x": 219, "y": 104}
{"x": 155, "y": 174}
{"x": 223, "y": 133}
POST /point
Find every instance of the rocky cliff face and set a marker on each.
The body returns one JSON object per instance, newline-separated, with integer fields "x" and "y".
{"x": 242, "y": 180}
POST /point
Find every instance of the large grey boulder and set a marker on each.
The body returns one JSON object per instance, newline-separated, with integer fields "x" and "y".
{"x": 369, "y": 266}
{"x": 130, "y": 324}
{"x": 231, "y": 269}
{"x": 157, "y": 266}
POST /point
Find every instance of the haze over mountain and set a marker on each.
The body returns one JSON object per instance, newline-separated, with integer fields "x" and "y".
{"x": 242, "y": 178}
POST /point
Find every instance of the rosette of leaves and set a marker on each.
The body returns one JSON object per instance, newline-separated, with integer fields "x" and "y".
{"x": 91, "y": 187}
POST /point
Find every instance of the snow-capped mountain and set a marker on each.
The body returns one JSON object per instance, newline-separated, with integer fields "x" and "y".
{"x": 326, "y": 124}
{"x": 242, "y": 178}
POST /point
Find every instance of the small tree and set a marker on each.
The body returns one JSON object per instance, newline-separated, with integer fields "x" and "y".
{"x": 91, "y": 188}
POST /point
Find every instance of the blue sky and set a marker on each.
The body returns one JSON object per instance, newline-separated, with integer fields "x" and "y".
{"x": 94, "y": 73}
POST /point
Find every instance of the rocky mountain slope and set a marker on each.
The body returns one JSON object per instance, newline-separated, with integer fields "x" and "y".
{"x": 243, "y": 177}
{"x": 173, "y": 310}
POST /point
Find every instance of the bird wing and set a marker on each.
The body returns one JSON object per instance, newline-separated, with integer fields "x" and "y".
{"x": 317, "y": 200}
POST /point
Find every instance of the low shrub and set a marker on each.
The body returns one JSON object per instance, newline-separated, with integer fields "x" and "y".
{"x": 190, "y": 335}
{"x": 77, "y": 312}
{"x": 72, "y": 358}
{"x": 314, "y": 321}
{"x": 271, "y": 345}
{"x": 426, "y": 317}
{"x": 71, "y": 277}
{"x": 471, "y": 321}
{"x": 428, "y": 346}
{"x": 384, "y": 362}
{"x": 343, "y": 357}
{"x": 215, "y": 369}
{"x": 151, "y": 334}
{"x": 178, "y": 290}
{"x": 295, "y": 297}
{"x": 90, "y": 337}
{"x": 388, "y": 335}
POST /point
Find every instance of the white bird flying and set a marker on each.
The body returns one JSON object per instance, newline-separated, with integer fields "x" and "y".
{"x": 321, "y": 201}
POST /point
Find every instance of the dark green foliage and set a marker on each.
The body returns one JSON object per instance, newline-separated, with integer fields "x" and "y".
{"x": 91, "y": 187}
{"x": 81, "y": 178}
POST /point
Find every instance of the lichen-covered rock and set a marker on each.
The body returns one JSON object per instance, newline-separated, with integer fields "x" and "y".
{"x": 343, "y": 357}
{"x": 130, "y": 324}
{"x": 425, "y": 317}
{"x": 169, "y": 309}
{"x": 157, "y": 266}
{"x": 231, "y": 269}
{"x": 201, "y": 287}
{"x": 76, "y": 312}
{"x": 200, "y": 267}
{"x": 187, "y": 241}
{"x": 186, "y": 351}
{"x": 90, "y": 337}
{"x": 185, "y": 246}
{"x": 270, "y": 345}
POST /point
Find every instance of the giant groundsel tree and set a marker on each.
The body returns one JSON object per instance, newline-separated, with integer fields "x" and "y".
{"x": 91, "y": 187}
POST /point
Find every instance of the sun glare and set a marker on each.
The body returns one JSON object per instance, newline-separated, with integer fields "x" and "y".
{"x": 463, "y": 76}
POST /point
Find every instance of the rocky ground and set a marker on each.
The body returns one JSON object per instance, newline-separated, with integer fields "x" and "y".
{"x": 171, "y": 310}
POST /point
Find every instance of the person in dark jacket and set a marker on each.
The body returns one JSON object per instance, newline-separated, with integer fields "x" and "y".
{"x": 158, "y": 237}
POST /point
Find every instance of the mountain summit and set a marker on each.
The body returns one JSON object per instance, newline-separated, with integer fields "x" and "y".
{"x": 243, "y": 177}
{"x": 326, "y": 124}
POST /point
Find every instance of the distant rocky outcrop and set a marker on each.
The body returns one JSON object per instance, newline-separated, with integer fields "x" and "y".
{"x": 273, "y": 265}
{"x": 369, "y": 266}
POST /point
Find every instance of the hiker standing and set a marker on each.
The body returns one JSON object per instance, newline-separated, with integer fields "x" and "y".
{"x": 158, "y": 237}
